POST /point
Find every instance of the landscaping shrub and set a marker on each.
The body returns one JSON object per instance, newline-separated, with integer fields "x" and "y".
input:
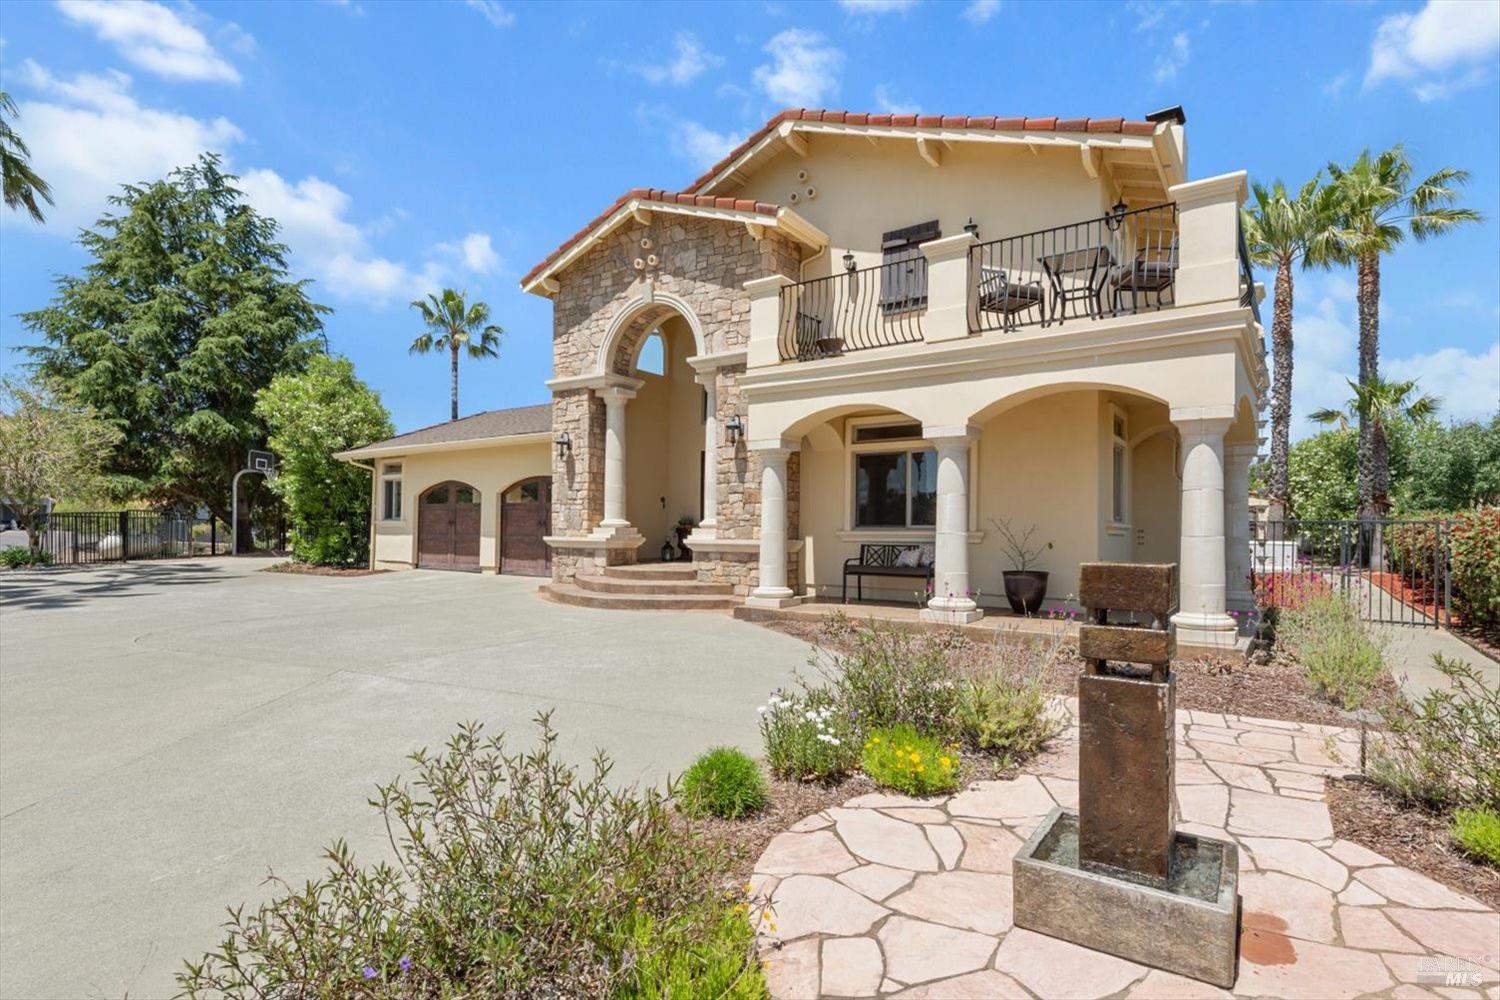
{"x": 723, "y": 782}
{"x": 808, "y": 737}
{"x": 1002, "y": 708}
{"x": 514, "y": 876}
{"x": 1324, "y": 635}
{"x": 23, "y": 556}
{"x": 903, "y": 759}
{"x": 892, "y": 676}
{"x": 1478, "y": 833}
{"x": 1475, "y": 538}
{"x": 1410, "y": 546}
{"x": 1444, "y": 750}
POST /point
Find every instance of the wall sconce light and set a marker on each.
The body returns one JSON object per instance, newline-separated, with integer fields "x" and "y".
{"x": 564, "y": 445}
{"x": 972, "y": 228}
{"x": 733, "y": 428}
{"x": 849, "y": 261}
{"x": 1116, "y": 216}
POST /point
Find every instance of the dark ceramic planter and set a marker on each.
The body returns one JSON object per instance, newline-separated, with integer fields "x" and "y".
{"x": 1025, "y": 590}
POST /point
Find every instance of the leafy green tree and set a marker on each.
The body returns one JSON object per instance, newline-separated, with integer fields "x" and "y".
{"x": 311, "y": 416}
{"x": 1450, "y": 468}
{"x": 1376, "y": 205}
{"x": 453, "y": 326}
{"x": 22, "y": 185}
{"x": 1279, "y": 229}
{"x": 1322, "y": 472}
{"x": 1376, "y": 405}
{"x": 185, "y": 312}
{"x": 50, "y": 448}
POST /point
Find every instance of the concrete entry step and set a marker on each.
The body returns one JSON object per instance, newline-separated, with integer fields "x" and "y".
{"x": 653, "y": 571}
{"x": 567, "y": 593}
{"x": 636, "y": 585}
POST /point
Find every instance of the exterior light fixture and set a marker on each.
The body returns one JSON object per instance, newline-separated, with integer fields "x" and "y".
{"x": 849, "y": 261}
{"x": 733, "y": 428}
{"x": 972, "y": 228}
{"x": 1116, "y": 215}
{"x": 564, "y": 445}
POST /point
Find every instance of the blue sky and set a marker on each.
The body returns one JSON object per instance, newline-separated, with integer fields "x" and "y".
{"x": 407, "y": 146}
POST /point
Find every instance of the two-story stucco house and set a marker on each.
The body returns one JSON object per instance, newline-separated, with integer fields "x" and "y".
{"x": 862, "y": 329}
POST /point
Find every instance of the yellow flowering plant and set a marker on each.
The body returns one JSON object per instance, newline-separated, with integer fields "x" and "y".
{"x": 902, "y": 759}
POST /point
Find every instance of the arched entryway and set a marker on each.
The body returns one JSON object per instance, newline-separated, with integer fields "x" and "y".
{"x": 448, "y": 527}
{"x": 525, "y": 520}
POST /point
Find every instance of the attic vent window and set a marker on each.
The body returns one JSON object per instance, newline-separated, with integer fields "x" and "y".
{"x": 903, "y": 270}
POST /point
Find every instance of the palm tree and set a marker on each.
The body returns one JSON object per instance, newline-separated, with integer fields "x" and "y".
{"x": 1375, "y": 404}
{"x": 1377, "y": 205}
{"x": 22, "y": 185}
{"x": 1279, "y": 230}
{"x": 454, "y": 325}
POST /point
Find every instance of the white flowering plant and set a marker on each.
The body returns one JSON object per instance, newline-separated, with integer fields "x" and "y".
{"x": 808, "y": 737}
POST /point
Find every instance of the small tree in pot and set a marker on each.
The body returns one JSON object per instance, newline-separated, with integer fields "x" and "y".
{"x": 1025, "y": 588}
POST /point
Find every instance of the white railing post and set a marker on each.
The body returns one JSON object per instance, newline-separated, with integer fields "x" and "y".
{"x": 1208, "y": 221}
{"x": 948, "y": 286}
{"x": 764, "y": 348}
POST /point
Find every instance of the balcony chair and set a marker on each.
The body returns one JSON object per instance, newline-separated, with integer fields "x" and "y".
{"x": 998, "y": 294}
{"x": 1152, "y": 272}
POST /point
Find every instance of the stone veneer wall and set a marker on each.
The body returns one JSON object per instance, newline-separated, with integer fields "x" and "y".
{"x": 705, "y": 263}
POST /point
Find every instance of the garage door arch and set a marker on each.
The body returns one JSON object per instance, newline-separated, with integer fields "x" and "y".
{"x": 448, "y": 518}
{"x": 525, "y": 521}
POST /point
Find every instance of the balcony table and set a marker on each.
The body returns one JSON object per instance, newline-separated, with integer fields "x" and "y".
{"x": 1093, "y": 264}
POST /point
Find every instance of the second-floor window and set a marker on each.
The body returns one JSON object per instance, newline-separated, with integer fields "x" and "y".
{"x": 903, "y": 272}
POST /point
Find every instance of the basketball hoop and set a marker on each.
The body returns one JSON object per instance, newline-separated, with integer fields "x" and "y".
{"x": 258, "y": 462}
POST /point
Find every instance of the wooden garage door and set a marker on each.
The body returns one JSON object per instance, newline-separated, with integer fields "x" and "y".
{"x": 525, "y": 518}
{"x": 448, "y": 527}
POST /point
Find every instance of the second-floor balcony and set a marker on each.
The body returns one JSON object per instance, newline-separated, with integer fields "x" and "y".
{"x": 1119, "y": 264}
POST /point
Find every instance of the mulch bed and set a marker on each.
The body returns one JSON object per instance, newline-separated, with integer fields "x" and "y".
{"x": 1408, "y": 835}
{"x": 1419, "y": 595}
{"x": 746, "y": 838}
{"x": 307, "y": 569}
{"x": 1259, "y": 689}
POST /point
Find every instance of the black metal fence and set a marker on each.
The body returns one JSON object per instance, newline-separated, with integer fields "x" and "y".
{"x": 875, "y": 306}
{"x": 1114, "y": 265}
{"x": 1394, "y": 571}
{"x": 121, "y": 535}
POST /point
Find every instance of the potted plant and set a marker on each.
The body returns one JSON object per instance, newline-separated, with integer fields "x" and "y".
{"x": 685, "y": 526}
{"x": 1025, "y": 587}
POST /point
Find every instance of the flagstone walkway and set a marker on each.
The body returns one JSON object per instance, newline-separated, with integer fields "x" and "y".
{"x": 889, "y": 895}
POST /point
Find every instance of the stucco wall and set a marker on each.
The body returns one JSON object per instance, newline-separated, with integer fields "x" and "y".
{"x": 489, "y": 470}
{"x": 864, "y": 191}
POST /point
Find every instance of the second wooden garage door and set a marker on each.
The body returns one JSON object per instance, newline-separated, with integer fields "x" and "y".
{"x": 448, "y": 527}
{"x": 525, "y": 518}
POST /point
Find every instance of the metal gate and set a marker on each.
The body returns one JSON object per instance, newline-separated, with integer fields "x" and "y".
{"x": 121, "y": 535}
{"x": 1394, "y": 571}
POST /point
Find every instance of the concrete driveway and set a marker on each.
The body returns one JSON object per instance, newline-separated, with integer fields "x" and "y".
{"x": 170, "y": 732}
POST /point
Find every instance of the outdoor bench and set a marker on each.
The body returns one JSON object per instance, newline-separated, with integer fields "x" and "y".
{"x": 883, "y": 560}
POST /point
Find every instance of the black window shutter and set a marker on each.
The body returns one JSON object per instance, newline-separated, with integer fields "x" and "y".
{"x": 903, "y": 272}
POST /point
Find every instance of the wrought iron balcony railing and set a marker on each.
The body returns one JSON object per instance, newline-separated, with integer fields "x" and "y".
{"x": 870, "y": 307}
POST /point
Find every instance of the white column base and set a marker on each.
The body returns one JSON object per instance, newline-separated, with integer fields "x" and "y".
{"x": 706, "y": 531}
{"x": 1206, "y": 631}
{"x": 957, "y": 611}
{"x": 773, "y": 597}
{"x": 617, "y": 533}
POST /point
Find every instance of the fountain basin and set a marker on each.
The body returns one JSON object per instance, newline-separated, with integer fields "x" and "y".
{"x": 1188, "y": 924}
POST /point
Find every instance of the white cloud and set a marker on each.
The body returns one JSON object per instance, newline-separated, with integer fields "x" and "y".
{"x": 493, "y": 12}
{"x": 154, "y": 38}
{"x": 869, "y": 7}
{"x": 1445, "y": 47}
{"x": 702, "y": 145}
{"x": 90, "y": 135}
{"x": 1148, "y": 13}
{"x": 1335, "y": 87}
{"x": 981, "y": 11}
{"x": 803, "y": 70}
{"x": 888, "y": 104}
{"x": 1468, "y": 384}
{"x": 689, "y": 61}
{"x": 1170, "y": 62}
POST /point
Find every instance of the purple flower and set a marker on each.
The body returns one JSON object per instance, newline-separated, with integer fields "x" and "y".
{"x": 405, "y": 963}
{"x": 370, "y": 972}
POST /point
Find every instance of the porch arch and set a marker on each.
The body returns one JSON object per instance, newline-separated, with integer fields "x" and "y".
{"x": 637, "y": 317}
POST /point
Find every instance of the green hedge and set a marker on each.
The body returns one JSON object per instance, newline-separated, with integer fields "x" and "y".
{"x": 1476, "y": 565}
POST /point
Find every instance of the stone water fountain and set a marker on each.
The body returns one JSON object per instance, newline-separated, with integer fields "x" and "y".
{"x": 1116, "y": 876}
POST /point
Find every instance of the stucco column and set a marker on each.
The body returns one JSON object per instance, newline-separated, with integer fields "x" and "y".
{"x": 615, "y": 398}
{"x": 710, "y": 523}
{"x": 1237, "y": 459}
{"x": 772, "y": 591}
{"x": 1201, "y": 620}
{"x": 950, "y": 600}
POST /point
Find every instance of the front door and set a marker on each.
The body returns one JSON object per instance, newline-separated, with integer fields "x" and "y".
{"x": 525, "y": 520}
{"x": 448, "y": 527}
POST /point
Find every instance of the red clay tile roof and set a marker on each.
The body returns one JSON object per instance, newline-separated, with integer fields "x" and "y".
{"x": 986, "y": 122}
{"x": 652, "y": 194}
{"x": 690, "y": 197}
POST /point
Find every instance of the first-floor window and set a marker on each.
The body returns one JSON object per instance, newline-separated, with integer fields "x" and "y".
{"x": 390, "y": 492}
{"x": 895, "y": 489}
